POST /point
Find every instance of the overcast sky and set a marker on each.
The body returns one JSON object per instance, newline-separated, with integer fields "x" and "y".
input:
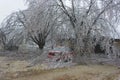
{"x": 9, "y": 6}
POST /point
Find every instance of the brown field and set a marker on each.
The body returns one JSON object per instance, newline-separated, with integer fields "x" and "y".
{"x": 17, "y": 70}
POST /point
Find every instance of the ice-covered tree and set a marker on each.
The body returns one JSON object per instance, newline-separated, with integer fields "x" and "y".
{"x": 93, "y": 21}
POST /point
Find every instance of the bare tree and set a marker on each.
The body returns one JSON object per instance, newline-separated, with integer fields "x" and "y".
{"x": 13, "y": 32}
{"x": 2, "y": 39}
{"x": 91, "y": 19}
{"x": 38, "y": 20}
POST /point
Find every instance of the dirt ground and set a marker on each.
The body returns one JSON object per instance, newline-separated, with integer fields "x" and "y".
{"x": 11, "y": 69}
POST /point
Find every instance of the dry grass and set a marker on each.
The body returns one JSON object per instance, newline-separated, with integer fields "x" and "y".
{"x": 65, "y": 77}
{"x": 82, "y": 72}
{"x": 17, "y": 70}
{"x": 95, "y": 72}
{"x": 113, "y": 76}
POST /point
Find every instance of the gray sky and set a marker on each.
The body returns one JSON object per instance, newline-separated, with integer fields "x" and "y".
{"x": 9, "y": 6}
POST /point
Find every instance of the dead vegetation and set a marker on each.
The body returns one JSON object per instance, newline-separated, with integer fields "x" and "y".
{"x": 18, "y": 69}
{"x": 80, "y": 72}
